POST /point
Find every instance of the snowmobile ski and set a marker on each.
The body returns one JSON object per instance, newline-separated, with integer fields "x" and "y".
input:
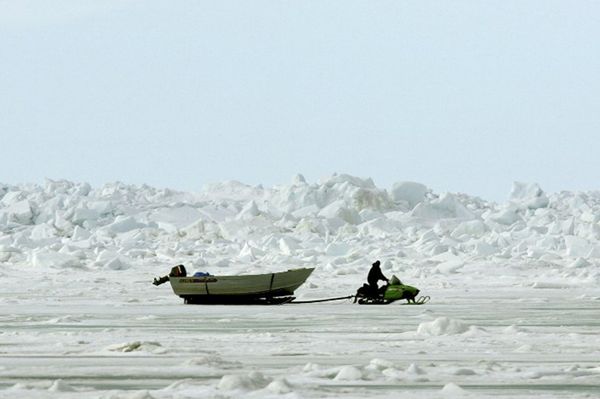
{"x": 422, "y": 300}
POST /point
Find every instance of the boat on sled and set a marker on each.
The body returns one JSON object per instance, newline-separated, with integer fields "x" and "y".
{"x": 268, "y": 288}
{"x": 394, "y": 291}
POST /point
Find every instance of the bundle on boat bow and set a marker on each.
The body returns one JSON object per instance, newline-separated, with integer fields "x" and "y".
{"x": 274, "y": 288}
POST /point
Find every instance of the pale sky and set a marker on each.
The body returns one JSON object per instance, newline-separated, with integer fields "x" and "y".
{"x": 463, "y": 96}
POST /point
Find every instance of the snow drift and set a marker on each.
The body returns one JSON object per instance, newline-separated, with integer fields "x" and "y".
{"x": 338, "y": 223}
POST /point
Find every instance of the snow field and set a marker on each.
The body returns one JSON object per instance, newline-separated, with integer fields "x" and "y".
{"x": 514, "y": 289}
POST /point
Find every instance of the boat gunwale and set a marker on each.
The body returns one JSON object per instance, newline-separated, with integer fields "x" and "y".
{"x": 228, "y": 276}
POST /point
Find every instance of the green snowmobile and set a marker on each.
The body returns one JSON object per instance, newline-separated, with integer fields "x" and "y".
{"x": 392, "y": 292}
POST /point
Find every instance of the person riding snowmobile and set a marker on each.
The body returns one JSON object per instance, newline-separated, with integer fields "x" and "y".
{"x": 372, "y": 290}
{"x": 375, "y": 274}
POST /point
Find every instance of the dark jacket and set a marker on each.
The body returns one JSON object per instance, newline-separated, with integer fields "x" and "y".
{"x": 375, "y": 275}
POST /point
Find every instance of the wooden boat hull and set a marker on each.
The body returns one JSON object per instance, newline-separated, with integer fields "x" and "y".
{"x": 240, "y": 289}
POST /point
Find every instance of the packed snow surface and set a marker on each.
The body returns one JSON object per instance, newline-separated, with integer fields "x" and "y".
{"x": 514, "y": 312}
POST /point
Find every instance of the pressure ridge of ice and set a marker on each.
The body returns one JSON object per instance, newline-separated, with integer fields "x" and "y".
{"x": 339, "y": 223}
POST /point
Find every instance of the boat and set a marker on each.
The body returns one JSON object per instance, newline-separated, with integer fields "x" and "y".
{"x": 268, "y": 288}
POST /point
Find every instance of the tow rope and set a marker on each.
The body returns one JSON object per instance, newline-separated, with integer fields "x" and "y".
{"x": 325, "y": 300}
